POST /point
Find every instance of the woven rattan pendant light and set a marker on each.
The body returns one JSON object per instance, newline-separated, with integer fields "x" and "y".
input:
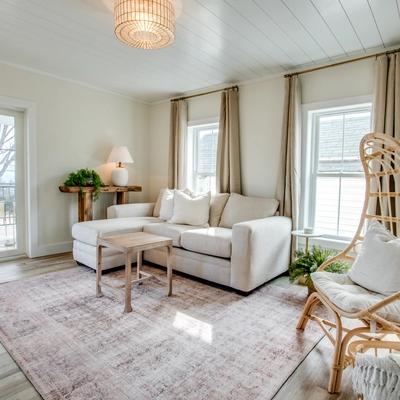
{"x": 146, "y": 24}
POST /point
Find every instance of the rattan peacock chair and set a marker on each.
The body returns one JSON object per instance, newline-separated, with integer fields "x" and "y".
{"x": 378, "y": 315}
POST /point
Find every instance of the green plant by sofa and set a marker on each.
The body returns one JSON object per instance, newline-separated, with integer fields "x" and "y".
{"x": 85, "y": 178}
{"x": 306, "y": 263}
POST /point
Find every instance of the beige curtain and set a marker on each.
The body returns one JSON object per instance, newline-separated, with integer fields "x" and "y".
{"x": 228, "y": 151}
{"x": 288, "y": 192}
{"x": 386, "y": 119}
{"x": 177, "y": 145}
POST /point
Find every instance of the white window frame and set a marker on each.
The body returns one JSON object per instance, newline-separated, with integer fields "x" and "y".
{"x": 308, "y": 176}
{"x": 194, "y": 127}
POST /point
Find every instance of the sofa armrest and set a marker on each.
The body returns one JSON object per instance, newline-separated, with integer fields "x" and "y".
{"x": 130, "y": 210}
{"x": 260, "y": 251}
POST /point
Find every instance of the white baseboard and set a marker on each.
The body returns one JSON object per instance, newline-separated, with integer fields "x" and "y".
{"x": 53, "y": 248}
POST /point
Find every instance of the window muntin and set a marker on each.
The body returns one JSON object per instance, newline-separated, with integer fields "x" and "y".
{"x": 336, "y": 175}
{"x": 202, "y": 157}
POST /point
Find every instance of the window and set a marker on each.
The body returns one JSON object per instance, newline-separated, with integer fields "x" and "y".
{"x": 202, "y": 157}
{"x": 334, "y": 184}
{"x": 11, "y": 184}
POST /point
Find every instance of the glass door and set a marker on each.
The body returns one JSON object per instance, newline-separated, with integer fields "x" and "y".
{"x": 12, "y": 184}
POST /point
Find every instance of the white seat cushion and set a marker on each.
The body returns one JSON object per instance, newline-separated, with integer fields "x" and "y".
{"x": 211, "y": 241}
{"x": 89, "y": 231}
{"x": 172, "y": 231}
{"x": 349, "y": 297}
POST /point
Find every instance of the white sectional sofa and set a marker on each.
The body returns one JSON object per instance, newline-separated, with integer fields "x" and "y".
{"x": 244, "y": 246}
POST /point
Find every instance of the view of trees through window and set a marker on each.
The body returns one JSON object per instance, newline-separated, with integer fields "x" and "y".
{"x": 7, "y": 183}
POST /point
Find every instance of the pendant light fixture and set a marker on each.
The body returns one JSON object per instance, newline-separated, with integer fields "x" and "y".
{"x": 146, "y": 24}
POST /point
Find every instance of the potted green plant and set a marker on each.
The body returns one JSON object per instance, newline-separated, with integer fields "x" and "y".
{"x": 306, "y": 263}
{"x": 85, "y": 178}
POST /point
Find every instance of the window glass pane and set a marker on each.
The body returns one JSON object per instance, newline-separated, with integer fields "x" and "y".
{"x": 351, "y": 203}
{"x": 207, "y": 152}
{"x": 330, "y": 140}
{"x": 205, "y": 183}
{"x": 356, "y": 125}
{"x": 338, "y": 175}
{"x": 202, "y": 157}
{"x": 7, "y": 183}
{"x": 327, "y": 204}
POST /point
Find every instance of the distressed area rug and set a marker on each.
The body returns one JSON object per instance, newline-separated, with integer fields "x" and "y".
{"x": 201, "y": 343}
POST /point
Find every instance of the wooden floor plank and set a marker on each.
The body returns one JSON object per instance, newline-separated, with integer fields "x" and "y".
{"x": 308, "y": 382}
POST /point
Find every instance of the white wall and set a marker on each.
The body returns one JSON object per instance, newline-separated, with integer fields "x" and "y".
{"x": 260, "y": 123}
{"x": 76, "y": 128}
{"x": 347, "y": 80}
{"x": 261, "y": 114}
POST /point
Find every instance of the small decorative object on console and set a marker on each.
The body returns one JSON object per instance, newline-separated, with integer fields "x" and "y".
{"x": 119, "y": 155}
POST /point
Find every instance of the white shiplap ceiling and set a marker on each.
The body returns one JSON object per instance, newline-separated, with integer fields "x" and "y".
{"x": 217, "y": 41}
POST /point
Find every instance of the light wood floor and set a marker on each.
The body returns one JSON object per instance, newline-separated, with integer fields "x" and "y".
{"x": 308, "y": 382}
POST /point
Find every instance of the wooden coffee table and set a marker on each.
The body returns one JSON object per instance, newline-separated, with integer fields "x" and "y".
{"x": 128, "y": 244}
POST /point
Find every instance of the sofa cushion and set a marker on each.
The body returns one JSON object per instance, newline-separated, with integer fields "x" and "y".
{"x": 211, "y": 241}
{"x": 217, "y": 205}
{"x": 243, "y": 208}
{"x": 89, "y": 231}
{"x": 191, "y": 209}
{"x": 349, "y": 297}
{"x": 167, "y": 204}
{"x": 157, "y": 205}
{"x": 172, "y": 231}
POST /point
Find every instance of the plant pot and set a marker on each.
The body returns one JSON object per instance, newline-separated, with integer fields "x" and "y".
{"x": 311, "y": 290}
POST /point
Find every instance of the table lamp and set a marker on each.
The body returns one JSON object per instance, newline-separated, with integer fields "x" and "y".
{"x": 119, "y": 155}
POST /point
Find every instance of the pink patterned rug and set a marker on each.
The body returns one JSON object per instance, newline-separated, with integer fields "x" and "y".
{"x": 201, "y": 343}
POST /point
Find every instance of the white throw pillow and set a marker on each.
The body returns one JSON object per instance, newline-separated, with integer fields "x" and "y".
{"x": 167, "y": 204}
{"x": 377, "y": 266}
{"x": 191, "y": 209}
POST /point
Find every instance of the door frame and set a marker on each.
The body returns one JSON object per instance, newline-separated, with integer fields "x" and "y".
{"x": 28, "y": 108}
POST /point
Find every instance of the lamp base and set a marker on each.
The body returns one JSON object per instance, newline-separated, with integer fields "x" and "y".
{"x": 119, "y": 176}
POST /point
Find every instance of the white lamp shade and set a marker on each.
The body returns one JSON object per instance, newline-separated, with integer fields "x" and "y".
{"x": 120, "y": 154}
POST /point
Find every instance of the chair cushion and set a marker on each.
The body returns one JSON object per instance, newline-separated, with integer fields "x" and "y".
{"x": 211, "y": 241}
{"x": 243, "y": 208}
{"x": 349, "y": 297}
{"x": 217, "y": 205}
{"x": 377, "y": 266}
{"x": 88, "y": 232}
{"x": 172, "y": 231}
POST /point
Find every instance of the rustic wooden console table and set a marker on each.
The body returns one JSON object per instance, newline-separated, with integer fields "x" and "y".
{"x": 85, "y": 197}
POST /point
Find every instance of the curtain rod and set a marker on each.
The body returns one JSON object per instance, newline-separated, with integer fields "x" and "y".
{"x": 305, "y": 71}
{"x": 205, "y": 93}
